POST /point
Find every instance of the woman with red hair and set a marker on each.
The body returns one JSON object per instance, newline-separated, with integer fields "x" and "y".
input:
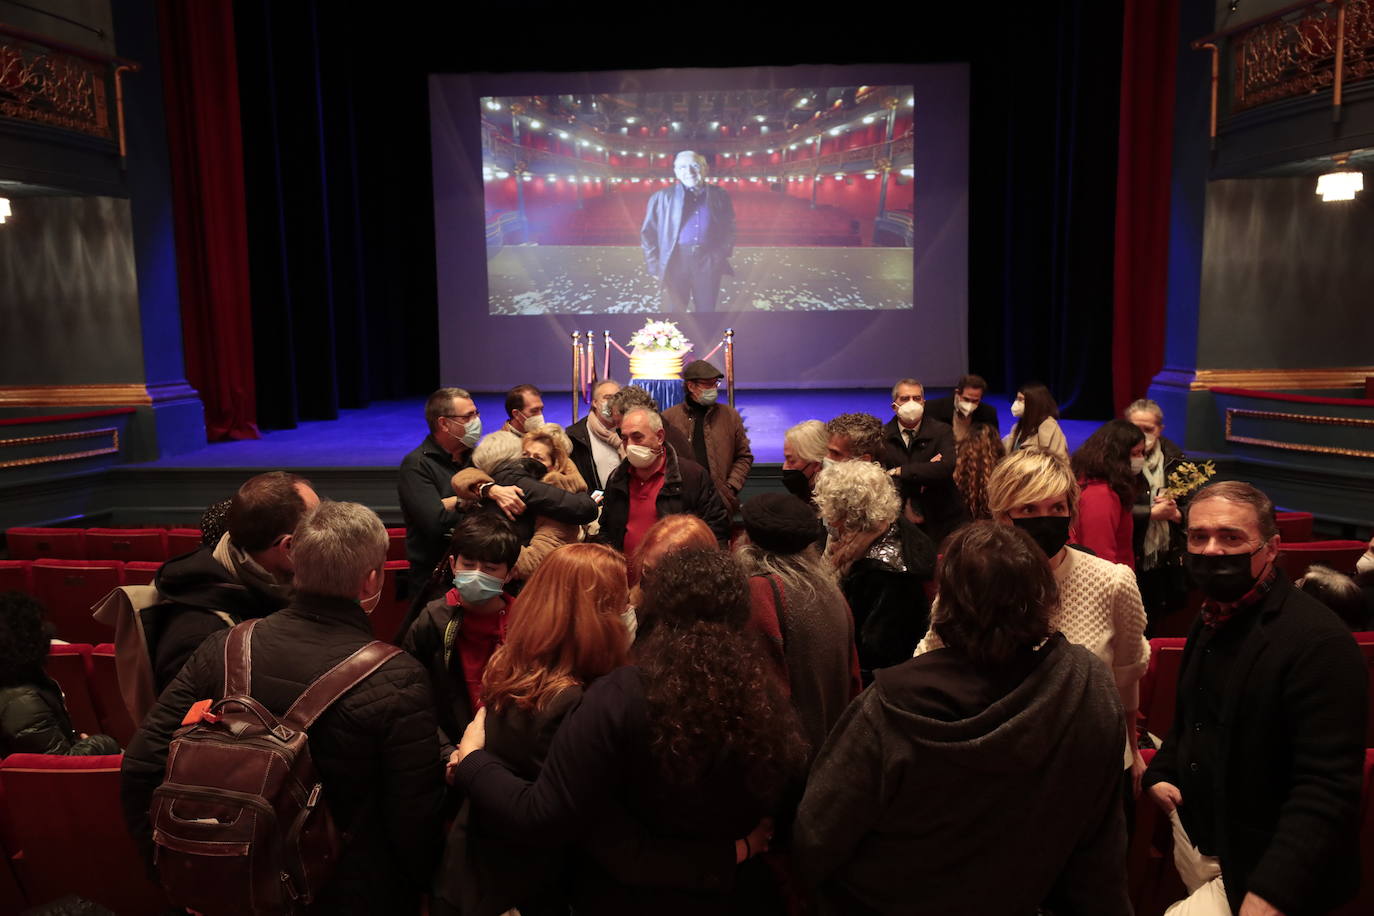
{"x": 565, "y": 631}
{"x": 667, "y": 536}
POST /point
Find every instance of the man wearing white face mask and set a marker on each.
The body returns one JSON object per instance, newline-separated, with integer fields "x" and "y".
{"x": 524, "y": 410}
{"x": 965, "y": 407}
{"x": 652, "y": 482}
{"x": 716, "y": 431}
{"x": 595, "y": 442}
{"x": 920, "y": 454}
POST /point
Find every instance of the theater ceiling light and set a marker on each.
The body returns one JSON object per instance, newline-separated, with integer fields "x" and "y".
{"x": 910, "y": 100}
{"x": 535, "y": 125}
{"x": 770, "y": 152}
{"x": 834, "y": 131}
{"x": 760, "y": 118}
{"x": 793, "y": 146}
{"x": 629, "y": 120}
{"x": 5, "y": 211}
{"x": 868, "y": 119}
{"x": 562, "y": 135}
{"x": 1342, "y": 184}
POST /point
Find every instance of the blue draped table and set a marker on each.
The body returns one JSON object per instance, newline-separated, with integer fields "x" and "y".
{"x": 667, "y": 391}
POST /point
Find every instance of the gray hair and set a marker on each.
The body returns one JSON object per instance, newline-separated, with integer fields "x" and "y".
{"x": 907, "y": 381}
{"x": 601, "y": 384}
{"x": 335, "y": 545}
{"x": 856, "y": 496}
{"x": 651, "y": 417}
{"x": 440, "y": 403}
{"x": 809, "y": 439}
{"x": 807, "y": 580}
{"x": 1145, "y": 405}
{"x": 495, "y": 448}
{"x": 630, "y": 397}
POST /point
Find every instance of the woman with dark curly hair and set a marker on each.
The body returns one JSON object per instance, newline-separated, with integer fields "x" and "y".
{"x": 33, "y": 715}
{"x": 696, "y": 742}
{"x": 978, "y": 454}
{"x": 1107, "y": 466}
{"x": 983, "y": 776}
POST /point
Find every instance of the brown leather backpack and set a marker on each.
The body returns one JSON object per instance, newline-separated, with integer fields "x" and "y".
{"x": 239, "y": 822}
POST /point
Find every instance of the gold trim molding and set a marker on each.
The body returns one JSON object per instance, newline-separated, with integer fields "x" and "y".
{"x": 1282, "y": 379}
{"x": 132, "y": 394}
{"x": 111, "y": 449}
{"x": 1355, "y": 422}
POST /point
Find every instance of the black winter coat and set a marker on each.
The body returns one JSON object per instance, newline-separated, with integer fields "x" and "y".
{"x": 374, "y": 749}
{"x": 1287, "y": 794}
{"x": 33, "y": 720}
{"x": 928, "y": 484}
{"x": 687, "y": 488}
{"x": 540, "y": 498}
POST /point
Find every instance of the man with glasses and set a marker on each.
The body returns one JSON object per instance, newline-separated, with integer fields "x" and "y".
{"x": 715, "y": 430}
{"x": 428, "y": 504}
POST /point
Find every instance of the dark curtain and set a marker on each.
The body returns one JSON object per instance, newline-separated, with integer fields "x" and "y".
{"x": 1045, "y": 100}
{"x": 206, "y": 157}
{"x": 337, "y": 169}
{"x": 1149, "y": 50}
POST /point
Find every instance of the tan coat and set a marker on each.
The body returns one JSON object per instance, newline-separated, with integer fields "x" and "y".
{"x": 727, "y": 448}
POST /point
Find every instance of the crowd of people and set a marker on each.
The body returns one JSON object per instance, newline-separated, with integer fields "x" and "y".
{"x": 907, "y": 682}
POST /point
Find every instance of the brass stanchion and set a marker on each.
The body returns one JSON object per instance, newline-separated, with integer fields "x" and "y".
{"x": 576, "y": 370}
{"x": 730, "y": 365}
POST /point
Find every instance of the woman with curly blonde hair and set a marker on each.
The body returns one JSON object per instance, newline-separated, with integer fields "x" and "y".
{"x": 880, "y": 559}
{"x": 978, "y": 455}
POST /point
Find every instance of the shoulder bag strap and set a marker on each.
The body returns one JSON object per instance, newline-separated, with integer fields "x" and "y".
{"x": 238, "y": 659}
{"x": 337, "y": 681}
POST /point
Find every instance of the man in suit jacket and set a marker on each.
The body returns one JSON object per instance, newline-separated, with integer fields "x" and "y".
{"x": 965, "y": 407}
{"x": 1263, "y": 762}
{"x": 920, "y": 453}
{"x": 688, "y": 237}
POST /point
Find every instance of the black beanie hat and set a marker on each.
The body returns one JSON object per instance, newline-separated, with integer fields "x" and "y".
{"x": 781, "y": 523}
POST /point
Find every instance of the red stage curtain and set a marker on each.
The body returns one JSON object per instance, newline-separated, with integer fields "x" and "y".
{"x": 1144, "y": 159}
{"x": 200, "y": 79}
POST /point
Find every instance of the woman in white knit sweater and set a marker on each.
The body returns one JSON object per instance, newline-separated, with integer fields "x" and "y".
{"x": 1100, "y": 607}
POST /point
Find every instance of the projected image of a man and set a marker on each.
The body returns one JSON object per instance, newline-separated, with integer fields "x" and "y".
{"x": 688, "y": 237}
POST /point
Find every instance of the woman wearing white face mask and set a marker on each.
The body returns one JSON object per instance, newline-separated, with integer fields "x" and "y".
{"x": 1107, "y": 466}
{"x": 1037, "y": 421}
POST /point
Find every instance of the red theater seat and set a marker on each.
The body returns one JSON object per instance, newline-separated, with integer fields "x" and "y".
{"x": 70, "y": 666}
{"x": 396, "y": 544}
{"x": 33, "y": 543}
{"x": 1363, "y": 904}
{"x": 1159, "y": 686}
{"x": 140, "y": 572}
{"x": 126, "y": 544}
{"x": 68, "y": 589}
{"x": 114, "y": 715}
{"x": 15, "y": 576}
{"x": 68, "y": 821}
{"x": 1339, "y": 555}
{"x": 181, "y": 541}
{"x": 395, "y": 602}
{"x": 1294, "y": 526}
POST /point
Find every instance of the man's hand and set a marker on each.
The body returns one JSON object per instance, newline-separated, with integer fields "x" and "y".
{"x": 474, "y": 737}
{"x": 1165, "y": 794}
{"x": 756, "y": 842}
{"x": 450, "y": 503}
{"x": 1254, "y": 905}
{"x": 938, "y": 456}
{"x": 507, "y": 499}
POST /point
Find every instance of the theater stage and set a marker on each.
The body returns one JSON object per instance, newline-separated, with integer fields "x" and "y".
{"x": 356, "y": 456}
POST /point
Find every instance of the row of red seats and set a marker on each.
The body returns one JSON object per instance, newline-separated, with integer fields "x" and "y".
{"x": 62, "y": 833}
{"x": 68, "y": 589}
{"x": 1154, "y": 883}
{"x": 1159, "y": 686}
{"x": 141, "y": 544}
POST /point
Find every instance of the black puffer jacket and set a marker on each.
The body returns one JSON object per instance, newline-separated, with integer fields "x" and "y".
{"x": 200, "y": 593}
{"x": 375, "y": 749}
{"x": 540, "y": 498}
{"x": 33, "y": 720}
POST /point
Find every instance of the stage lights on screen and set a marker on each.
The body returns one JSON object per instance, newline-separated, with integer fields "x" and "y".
{"x": 562, "y": 135}
{"x": 493, "y": 105}
{"x": 868, "y": 119}
{"x": 629, "y": 120}
{"x": 835, "y": 131}
{"x": 535, "y": 125}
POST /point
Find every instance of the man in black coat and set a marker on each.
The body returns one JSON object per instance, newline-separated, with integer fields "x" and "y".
{"x": 688, "y": 236}
{"x": 964, "y": 408}
{"x": 1158, "y": 538}
{"x": 1263, "y": 762}
{"x": 595, "y": 443}
{"x": 654, "y": 471}
{"x": 375, "y": 749}
{"x": 920, "y": 453}
{"x": 428, "y": 504}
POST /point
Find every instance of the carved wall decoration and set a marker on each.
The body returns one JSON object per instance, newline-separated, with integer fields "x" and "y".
{"x": 47, "y": 86}
{"x": 1291, "y": 57}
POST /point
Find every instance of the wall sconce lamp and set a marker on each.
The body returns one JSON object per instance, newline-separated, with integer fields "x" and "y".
{"x": 1341, "y": 184}
{"x": 5, "y": 211}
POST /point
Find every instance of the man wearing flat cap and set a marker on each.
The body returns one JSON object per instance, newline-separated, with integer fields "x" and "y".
{"x": 719, "y": 442}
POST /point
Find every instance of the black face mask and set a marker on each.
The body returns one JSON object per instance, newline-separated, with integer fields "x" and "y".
{"x": 794, "y": 479}
{"x": 1051, "y": 532}
{"x": 1224, "y": 578}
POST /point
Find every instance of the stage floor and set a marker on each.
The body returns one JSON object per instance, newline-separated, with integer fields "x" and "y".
{"x": 379, "y": 436}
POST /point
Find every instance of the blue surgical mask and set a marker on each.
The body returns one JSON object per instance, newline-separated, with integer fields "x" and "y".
{"x": 472, "y": 431}
{"x": 708, "y": 397}
{"x": 476, "y": 587}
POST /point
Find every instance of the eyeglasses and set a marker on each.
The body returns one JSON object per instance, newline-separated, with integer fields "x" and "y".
{"x": 462, "y": 418}
{"x": 706, "y": 382}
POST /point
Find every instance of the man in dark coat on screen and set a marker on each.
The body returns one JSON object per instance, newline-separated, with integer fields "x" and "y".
{"x": 688, "y": 237}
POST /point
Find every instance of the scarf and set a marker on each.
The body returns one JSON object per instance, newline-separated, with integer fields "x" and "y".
{"x": 1157, "y": 530}
{"x": 248, "y": 572}
{"x": 1215, "y": 616}
{"x": 598, "y": 428}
